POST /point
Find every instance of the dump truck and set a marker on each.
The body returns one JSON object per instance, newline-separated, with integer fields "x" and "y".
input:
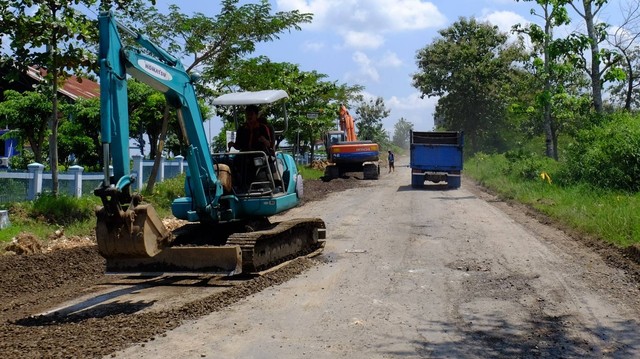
{"x": 228, "y": 199}
{"x": 346, "y": 153}
{"x": 436, "y": 157}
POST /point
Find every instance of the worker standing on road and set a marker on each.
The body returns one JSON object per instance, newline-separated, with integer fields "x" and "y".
{"x": 391, "y": 159}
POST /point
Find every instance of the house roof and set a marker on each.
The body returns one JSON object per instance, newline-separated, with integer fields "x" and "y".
{"x": 73, "y": 87}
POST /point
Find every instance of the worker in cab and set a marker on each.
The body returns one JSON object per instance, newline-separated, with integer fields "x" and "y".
{"x": 252, "y": 135}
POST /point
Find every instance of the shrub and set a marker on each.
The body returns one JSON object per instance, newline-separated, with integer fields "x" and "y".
{"x": 529, "y": 166}
{"x": 165, "y": 192}
{"x": 62, "y": 209}
{"x": 607, "y": 156}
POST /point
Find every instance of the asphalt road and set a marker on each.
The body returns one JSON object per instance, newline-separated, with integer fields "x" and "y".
{"x": 425, "y": 274}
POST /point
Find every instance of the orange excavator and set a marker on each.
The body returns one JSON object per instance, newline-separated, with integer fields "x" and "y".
{"x": 346, "y": 154}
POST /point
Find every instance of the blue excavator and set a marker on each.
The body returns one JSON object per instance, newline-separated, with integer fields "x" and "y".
{"x": 229, "y": 196}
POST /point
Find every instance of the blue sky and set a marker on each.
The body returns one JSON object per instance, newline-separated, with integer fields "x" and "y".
{"x": 373, "y": 43}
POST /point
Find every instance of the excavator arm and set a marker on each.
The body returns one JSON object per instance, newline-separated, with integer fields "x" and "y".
{"x": 167, "y": 75}
{"x": 125, "y": 226}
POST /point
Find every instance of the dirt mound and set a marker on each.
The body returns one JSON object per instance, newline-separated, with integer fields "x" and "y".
{"x": 315, "y": 190}
{"x": 25, "y": 243}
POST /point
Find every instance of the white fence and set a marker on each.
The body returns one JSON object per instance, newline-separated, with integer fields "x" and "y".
{"x": 20, "y": 186}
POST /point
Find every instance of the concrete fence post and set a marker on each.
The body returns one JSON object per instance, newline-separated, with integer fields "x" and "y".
{"x": 76, "y": 171}
{"x": 180, "y": 159}
{"x": 138, "y": 168}
{"x": 35, "y": 184}
{"x": 161, "y": 169}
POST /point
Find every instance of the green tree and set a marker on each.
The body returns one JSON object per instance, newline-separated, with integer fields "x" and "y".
{"x": 51, "y": 34}
{"x": 369, "y": 122}
{"x": 468, "y": 67}
{"x": 28, "y": 113}
{"x": 603, "y": 65}
{"x": 146, "y": 110}
{"x": 215, "y": 42}
{"x": 554, "y": 14}
{"x": 401, "y": 133}
{"x": 79, "y": 135}
{"x": 625, "y": 39}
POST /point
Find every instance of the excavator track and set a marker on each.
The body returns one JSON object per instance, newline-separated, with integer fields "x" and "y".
{"x": 258, "y": 246}
{"x": 288, "y": 239}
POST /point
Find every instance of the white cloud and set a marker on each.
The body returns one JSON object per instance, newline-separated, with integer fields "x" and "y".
{"x": 352, "y": 19}
{"x": 367, "y": 71}
{"x": 413, "y": 101}
{"x": 412, "y": 14}
{"x": 379, "y": 15}
{"x": 504, "y": 19}
{"x": 390, "y": 59}
{"x": 363, "y": 40}
{"x": 413, "y": 109}
{"x": 313, "y": 46}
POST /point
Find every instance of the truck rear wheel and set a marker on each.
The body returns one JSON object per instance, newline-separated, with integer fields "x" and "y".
{"x": 417, "y": 181}
{"x": 453, "y": 182}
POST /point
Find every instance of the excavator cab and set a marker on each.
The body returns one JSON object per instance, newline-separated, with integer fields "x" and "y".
{"x": 256, "y": 173}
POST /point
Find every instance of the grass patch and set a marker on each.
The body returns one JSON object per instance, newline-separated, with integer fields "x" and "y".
{"x": 309, "y": 173}
{"x": 607, "y": 214}
{"x": 164, "y": 193}
{"x": 48, "y": 213}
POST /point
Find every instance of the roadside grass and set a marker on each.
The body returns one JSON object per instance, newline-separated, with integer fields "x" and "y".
{"x": 164, "y": 193}
{"x": 309, "y": 173}
{"x": 605, "y": 214}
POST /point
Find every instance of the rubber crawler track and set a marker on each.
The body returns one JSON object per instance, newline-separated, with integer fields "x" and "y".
{"x": 286, "y": 240}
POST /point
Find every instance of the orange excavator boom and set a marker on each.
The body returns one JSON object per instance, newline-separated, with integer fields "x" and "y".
{"x": 346, "y": 124}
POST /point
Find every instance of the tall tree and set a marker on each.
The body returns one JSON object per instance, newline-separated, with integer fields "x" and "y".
{"x": 215, "y": 42}
{"x": 79, "y": 136}
{"x": 553, "y": 14}
{"x": 401, "y": 133}
{"x": 369, "y": 121}
{"x": 146, "y": 110}
{"x": 625, "y": 40}
{"x": 52, "y": 35}
{"x": 467, "y": 67}
{"x": 603, "y": 61}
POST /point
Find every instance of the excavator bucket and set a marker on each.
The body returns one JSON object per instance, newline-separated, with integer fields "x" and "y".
{"x": 135, "y": 241}
{"x": 136, "y": 233}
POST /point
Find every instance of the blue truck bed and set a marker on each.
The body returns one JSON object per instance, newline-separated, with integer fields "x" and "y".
{"x": 436, "y": 157}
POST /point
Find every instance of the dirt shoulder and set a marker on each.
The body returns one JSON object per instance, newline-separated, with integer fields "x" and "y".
{"x": 625, "y": 259}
